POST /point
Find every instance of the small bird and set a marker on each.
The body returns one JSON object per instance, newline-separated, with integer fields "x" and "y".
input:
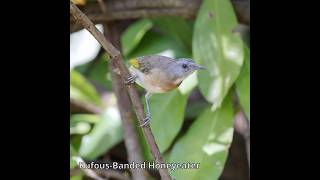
{"x": 159, "y": 74}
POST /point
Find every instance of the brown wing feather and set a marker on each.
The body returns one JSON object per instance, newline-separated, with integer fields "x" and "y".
{"x": 146, "y": 63}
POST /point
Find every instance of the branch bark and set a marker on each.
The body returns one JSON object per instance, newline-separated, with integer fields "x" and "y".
{"x": 80, "y": 107}
{"x": 124, "y": 104}
{"x": 88, "y": 172}
{"x": 242, "y": 126}
{"x": 133, "y": 9}
{"x": 124, "y": 72}
{"x": 123, "y": 101}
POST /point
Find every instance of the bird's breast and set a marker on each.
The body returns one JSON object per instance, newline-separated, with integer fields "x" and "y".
{"x": 159, "y": 82}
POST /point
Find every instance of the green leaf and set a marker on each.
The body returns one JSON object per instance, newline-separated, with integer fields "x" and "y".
{"x": 90, "y": 118}
{"x": 97, "y": 71}
{"x": 75, "y": 141}
{"x": 77, "y": 177}
{"x": 243, "y": 84}
{"x": 145, "y": 148}
{"x": 206, "y": 142}
{"x": 195, "y": 108}
{"x": 216, "y": 47}
{"x": 167, "y": 111}
{"x": 164, "y": 125}
{"x": 72, "y": 151}
{"x": 105, "y": 134}
{"x": 80, "y": 128}
{"x": 188, "y": 84}
{"x": 100, "y": 74}
{"x": 175, "y": 27}
{"x": 73, "y": 163}
{"x": 82, "y": 90}
{"x": 154, "y": 43}
{"x": 133, "y": 35}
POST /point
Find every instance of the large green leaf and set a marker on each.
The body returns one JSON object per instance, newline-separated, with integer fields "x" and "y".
{"x": 243, "y": 84}
{"x": 105, "y": 134}
{"x": 175, "y": 27}
{"x": 133, "y": 35}
{"x": 206, "y": 142}
{"x": 216, "y": 47}
{"x": 82, "y": 90}
{"x": 167, "y": 112}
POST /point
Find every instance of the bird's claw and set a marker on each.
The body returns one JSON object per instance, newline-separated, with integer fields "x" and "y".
{"x": 146, "y": 121}
{"x": 131, "y": 79}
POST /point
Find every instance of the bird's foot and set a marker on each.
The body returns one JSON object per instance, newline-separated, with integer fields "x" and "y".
{"x": 146, "y": 121}
{"x": 131, "y": 80}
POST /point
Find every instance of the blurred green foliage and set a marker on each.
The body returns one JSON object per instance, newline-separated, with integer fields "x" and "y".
{"x": 210, "y": 40}
{"x": 243, "y": 84}
{"x": 82, "y": 90}
{"x": 133, "y": 35}
{"x": 106, "y": 133}
{"x": 176, "y": 28}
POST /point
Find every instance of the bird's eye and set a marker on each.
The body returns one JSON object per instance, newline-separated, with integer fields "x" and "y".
{"x": 184, "y": 66}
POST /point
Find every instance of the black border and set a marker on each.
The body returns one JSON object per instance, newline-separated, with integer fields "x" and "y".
{"x": 35, "y": 75}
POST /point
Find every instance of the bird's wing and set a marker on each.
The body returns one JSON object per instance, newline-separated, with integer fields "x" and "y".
{"x": 147, "y": 63}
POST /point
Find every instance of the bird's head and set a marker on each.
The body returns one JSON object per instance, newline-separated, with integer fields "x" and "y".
{"x": 182, "y": 68}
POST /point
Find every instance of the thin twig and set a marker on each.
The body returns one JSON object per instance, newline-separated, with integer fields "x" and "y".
{"x": 81, "y": 107}
{"x": 124, "y": 72}
{"x": 112, "y": 174}
{"x": 102, "y": 6}
{"x": 88, "y": 172}
{"x": 107, "y": 173}
{"x": 242, "y": 126}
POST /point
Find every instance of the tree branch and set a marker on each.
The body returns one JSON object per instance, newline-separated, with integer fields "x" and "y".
{"x": 102, "y": 6}
{"x": 124, "y": 72}
{"x": 124, "y": 104}
{"x": 80, "y": 107}
{"x": 133, "y": 9}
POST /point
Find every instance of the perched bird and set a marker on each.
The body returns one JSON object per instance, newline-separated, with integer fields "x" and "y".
{"x": 159, "y": 74}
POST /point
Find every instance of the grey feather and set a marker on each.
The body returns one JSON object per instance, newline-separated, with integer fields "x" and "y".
{"x": 146, "y": 63}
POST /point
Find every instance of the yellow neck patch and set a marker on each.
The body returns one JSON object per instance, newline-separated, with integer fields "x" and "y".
{"x": 134, "y": 62}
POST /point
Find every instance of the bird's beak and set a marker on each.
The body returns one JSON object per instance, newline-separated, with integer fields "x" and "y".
{"x": 200, "y": 67}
